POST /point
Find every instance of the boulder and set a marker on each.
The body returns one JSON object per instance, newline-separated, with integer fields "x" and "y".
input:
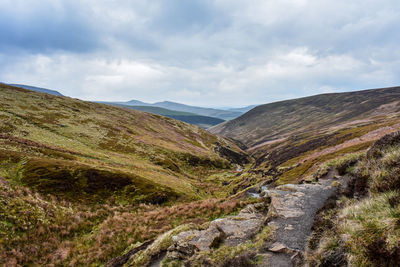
{"x": 230, "y": 231}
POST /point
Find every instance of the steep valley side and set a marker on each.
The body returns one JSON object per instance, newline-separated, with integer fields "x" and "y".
{"x": 290, "y": 139}
{"x": 81, "y": 181}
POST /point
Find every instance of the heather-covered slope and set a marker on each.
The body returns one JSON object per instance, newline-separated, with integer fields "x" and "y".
{"x": 310, "y": 114}
{"x": 66, "y": 138}
{"x": 289, "y": 139}
{"x": 80, "y": 182}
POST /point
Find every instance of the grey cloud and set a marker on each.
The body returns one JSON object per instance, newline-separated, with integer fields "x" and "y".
{"x": 45, "y": 28}
{"x": 243, "y": 51}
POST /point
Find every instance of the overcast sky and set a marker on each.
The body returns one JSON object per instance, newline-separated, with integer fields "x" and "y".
{"x": 200, "y": 52}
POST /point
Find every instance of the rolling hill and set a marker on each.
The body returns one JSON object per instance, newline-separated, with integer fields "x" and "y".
{"x": 74, "y": 173}
{"x": 201, "y": 121}
{"x": 289, "y": 138}
{"x": 99, "y": 136}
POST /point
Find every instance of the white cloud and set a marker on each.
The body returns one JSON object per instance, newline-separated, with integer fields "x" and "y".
{"x": 200, "y": 52}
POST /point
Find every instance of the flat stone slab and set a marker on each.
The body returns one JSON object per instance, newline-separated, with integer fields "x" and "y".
{"x": 292, "y": 212}
{"x": 230, "y": 231}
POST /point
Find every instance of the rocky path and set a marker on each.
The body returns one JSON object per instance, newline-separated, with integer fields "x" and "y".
{"x": 291, "y": 214}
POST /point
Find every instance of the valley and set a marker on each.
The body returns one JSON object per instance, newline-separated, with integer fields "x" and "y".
{"x": 86, "y": 183}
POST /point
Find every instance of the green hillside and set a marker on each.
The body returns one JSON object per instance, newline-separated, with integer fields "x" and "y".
{"x": 82, "y": 183}
{"x": 74, "y": 172}
{"x": 362, "y": 228}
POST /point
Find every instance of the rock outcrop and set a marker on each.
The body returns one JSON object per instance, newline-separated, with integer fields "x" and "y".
{"x": 230, "y": 231}
{"x": 288, "y": 212}
{"x": 292, "y": 212}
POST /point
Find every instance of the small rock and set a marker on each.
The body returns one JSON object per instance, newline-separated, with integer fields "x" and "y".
{"x": 289, "y": 227}
{"x": 278, "y": 248}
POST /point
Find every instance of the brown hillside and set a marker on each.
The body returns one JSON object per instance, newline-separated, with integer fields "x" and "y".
{"x": 291, "y": 138}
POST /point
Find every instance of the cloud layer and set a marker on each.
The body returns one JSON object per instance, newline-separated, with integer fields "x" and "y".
{"x": 203, "y": 52}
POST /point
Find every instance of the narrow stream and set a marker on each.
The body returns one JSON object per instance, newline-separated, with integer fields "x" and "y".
{"x": 256, "y": 192}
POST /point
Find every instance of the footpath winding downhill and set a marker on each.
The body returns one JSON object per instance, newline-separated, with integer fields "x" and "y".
{"x": 290, "y": 215}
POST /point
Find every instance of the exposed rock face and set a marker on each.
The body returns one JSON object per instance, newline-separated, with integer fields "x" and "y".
{"x": 230, "y": 231}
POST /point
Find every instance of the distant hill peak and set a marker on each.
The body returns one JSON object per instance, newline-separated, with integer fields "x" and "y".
{"x": 135, "y": 102}
{"x": 37, "y": 89}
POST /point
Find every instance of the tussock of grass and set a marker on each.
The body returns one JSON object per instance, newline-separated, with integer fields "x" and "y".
{"x": 371, "y": 230}
{"x": 383, "y": 171}
{"x": 367, "y": 232}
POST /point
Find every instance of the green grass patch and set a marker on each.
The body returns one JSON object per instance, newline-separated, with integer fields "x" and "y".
{"x": 295, "y": 174}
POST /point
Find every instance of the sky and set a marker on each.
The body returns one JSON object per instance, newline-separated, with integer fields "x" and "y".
{"x": 200, "y": 52}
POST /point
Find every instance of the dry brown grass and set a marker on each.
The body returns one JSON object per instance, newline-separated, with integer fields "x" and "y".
{"x": 43, "y": 231}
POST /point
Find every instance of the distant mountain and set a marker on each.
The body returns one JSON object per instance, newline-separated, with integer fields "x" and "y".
{"x": 157, "y": 110}
{"x": 218, "y": 113}
{"x": 244, "y": 109}
{"x": 135, "y": 103}
{"x": 209, "y": 112}
{"x": 38, "y": 89}
{"x": 192, "y": 118}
